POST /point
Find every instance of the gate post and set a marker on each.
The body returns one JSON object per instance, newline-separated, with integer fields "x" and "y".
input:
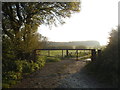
{"x": 93, "y": 57}
{"x": 66, "y": 52}
{"x": 48, "y": 52}
{"x": 76, "y": 54}
{"x": 99, "y": 53}
{"x": 62, "y": 53}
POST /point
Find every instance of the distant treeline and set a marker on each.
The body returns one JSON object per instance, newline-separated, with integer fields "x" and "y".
{"x": 65, "y": 47}
{"x": 72, "y": 45}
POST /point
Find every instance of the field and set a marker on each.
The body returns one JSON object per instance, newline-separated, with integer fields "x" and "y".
{"x": 63, "y": 53}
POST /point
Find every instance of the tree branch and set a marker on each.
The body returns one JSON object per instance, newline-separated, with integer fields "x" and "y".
{"x": 7, "y": 32}
{"x": 18, "y": 13}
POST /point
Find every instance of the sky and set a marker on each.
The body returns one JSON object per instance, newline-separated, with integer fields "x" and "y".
{"x": 94, "y": 22}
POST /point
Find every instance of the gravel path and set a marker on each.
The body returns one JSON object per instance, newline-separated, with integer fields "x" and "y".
{"x": 81, "y": 80}
{"x": 63, "y": 74}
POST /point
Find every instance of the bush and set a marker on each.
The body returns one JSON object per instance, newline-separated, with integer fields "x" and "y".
{"x": 5, "y": 85}
{"x": 28, "y": 67}
{"x": 34, "y": 66}
{"x": 106, "y": 67}
{"x": 41, "y": 60}
{"x": 19, "y": 65}
{"x": 21, "y": 68}
{"x": 10, "y": 78}
{"x": 11, "y": 75}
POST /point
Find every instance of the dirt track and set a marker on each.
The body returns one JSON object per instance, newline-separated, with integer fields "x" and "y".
{"x": 63, "y": 74}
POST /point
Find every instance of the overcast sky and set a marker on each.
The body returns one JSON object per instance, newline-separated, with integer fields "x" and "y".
{"x": 94, "y": 22}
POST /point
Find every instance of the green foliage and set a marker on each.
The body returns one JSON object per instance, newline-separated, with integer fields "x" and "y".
{"x": 10, "y": 78}
{"x": 37, "y": 13}
{"x": 41, "y": 60}
{"x": 27, "y": 67}
{"x": 20, "y": 21}
{"x": 5, "y": 85}
{"x": 19, "y": 65}
{"x": 21, "y": 68}
{"x": 11, "y": 75}
{"x": 106, "y": 66}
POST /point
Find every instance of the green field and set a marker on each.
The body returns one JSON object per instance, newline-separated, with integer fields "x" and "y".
{"x": 60, "y": 53}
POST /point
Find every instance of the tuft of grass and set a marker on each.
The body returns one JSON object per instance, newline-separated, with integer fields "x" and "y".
{"x": 52, "y": 59}
{"x": 5, "y": 85}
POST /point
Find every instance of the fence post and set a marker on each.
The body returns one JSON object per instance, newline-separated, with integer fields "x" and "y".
{"x": 99, "y": 53}
{"x": 77, "y": 55}
{"x": 93, "y": 57}
{"x": 66, "y": 52}
{"x": 62, "y": 53}
{"x": 48, "y": 52}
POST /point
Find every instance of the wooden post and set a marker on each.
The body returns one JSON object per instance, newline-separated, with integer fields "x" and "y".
{"x": 99, "y": 53}
{"x": 77, "y": 55}
{"x": 66, "y": 52}
{"x": 62, "y": 53}
{"x": 93, "y": 57}
{"x": 48, "y": 52}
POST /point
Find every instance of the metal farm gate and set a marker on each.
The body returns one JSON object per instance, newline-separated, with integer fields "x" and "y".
{"x": 77, "y": 53}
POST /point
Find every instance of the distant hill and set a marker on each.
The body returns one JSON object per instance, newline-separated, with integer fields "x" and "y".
{"x": 87, "y": 44}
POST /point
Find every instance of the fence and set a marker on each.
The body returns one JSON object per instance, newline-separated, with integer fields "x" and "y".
{"x": 68, "y": 52}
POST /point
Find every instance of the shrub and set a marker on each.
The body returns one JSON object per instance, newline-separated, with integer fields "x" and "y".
{"x": 11, "y": 75}
{"x": 41, "y": 60}
{"x": 19, "y": 65}
{"x": 106, "y": 67}
{"x": 27, "y": 67}
{"x": 35, "y": 66}
{"x": 5, "y": 85}
{"x": 21, "y": 68}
